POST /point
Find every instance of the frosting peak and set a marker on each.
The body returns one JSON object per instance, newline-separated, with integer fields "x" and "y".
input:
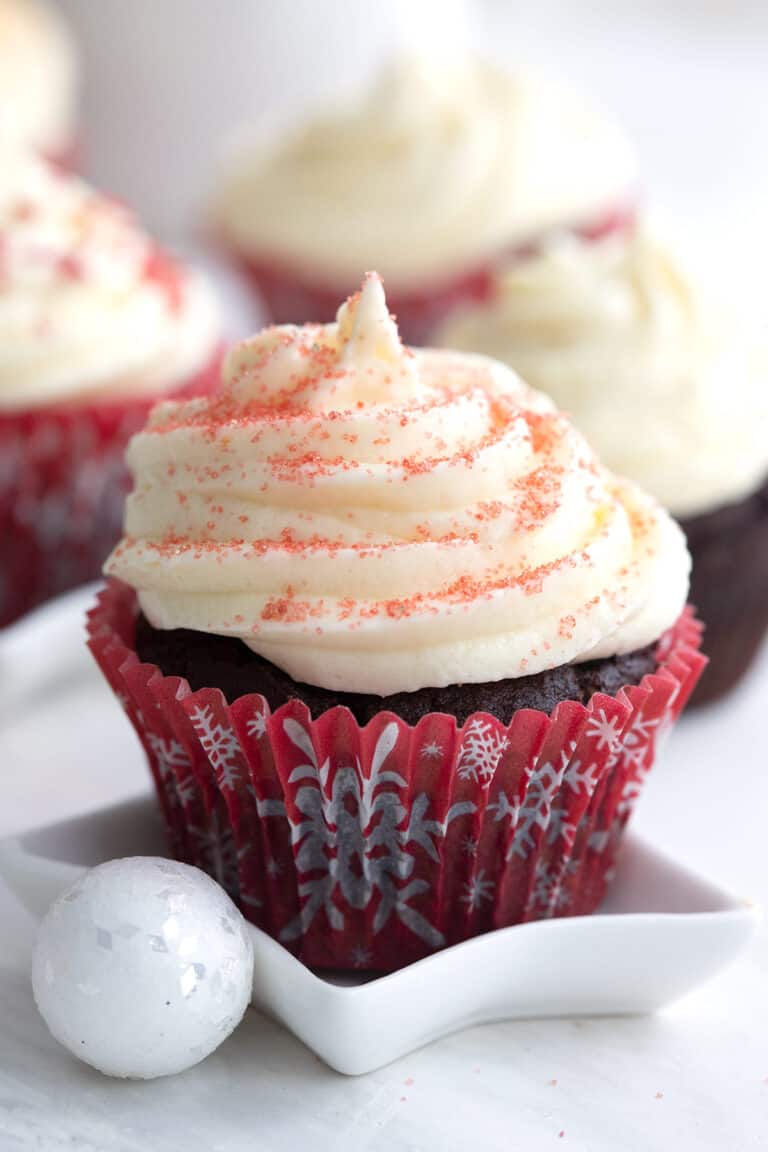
{"x": 379, "y": 519}
{"x": 358, "y": 360}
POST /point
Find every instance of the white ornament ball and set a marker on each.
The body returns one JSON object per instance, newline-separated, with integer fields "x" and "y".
{"x": 143, "y": 967}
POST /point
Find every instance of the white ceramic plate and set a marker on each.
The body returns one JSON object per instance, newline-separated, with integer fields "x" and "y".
{"x": 662, "y": 931}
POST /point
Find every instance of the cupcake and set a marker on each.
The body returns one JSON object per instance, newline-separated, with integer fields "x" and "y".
{"x": 398, "y": 649}
{"x": 95, "y": 325}
{"x": 38, "y": 80}
{"x": 437, "y": 175}
{"x": 668, "y": 383}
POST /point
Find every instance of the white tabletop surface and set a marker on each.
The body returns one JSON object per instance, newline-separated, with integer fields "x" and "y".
{"x": 695, "y": 1077}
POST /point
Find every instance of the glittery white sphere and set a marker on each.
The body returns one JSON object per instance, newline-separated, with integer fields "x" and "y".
{"x": 143, "y": 967}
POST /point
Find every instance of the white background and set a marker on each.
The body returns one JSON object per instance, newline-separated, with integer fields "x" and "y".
{"x": 170, "y": 81}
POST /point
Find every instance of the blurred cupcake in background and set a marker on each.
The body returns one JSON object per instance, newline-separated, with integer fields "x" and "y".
{"x": 38, "y": 80}
{"x": 437, "y": 175}
{"x": 398, "y": 648}
{"x": 667, "y": 379}
{"x": 96, "y": 323}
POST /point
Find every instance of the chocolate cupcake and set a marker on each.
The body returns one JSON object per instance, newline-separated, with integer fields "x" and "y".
{"x": 667, "y": 382}
{"x": 96, "y": 324}
{"x": 398, "y": 649}
{"x": 38, "y": 80}
{"x": 435, "y": 176}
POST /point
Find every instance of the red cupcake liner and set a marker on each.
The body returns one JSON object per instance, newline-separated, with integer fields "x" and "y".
{"x": 63, "y": 482}
{"x": 292, "y": 297}
{"x": 372, "y": 847}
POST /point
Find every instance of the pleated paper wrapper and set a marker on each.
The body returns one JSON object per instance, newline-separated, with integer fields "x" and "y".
{"x": 370, "y": 847}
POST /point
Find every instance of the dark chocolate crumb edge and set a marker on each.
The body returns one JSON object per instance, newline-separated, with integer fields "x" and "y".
{"x": 208, "y": 661}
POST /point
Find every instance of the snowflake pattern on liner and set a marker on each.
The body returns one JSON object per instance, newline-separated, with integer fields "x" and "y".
{"x": 215, "y": 851}
{"x": 354, "y": 839}
{"x": 257, "y": 725}
{"x": 220, "y": 745}
{"x": 481, "y": 751}
{"x": 477, "y": 890}
{"x": 350, "y": 841}
{"x": 544, "y": 804}
{"x": 547, "y": 895}
{"x": 169, "y": 754}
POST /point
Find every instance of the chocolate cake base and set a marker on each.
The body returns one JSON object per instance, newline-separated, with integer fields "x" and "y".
{"x": 207, "y": 661}
{"x": 729, "y": 587}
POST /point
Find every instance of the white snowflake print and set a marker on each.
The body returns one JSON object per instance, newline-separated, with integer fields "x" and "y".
{"x": 469, "y": 846}
{"x": 575, "y": 775}
{"x": 477, "y": 890}
{"x": 169, "y": 755}
{"x": 481, "y": 750}
{"x": 274, "y": 867}
{"x": 535, "y": 810}
{"x": 630, "y": 794}
{"x": 186, "y": 789}
{"x": 220, "y": 745}
{"x": 250, "y": 900}
{"x": 432, "y": 751}
{"x": 503, "y": 808}
{"x": 604, "y": 731}
{"x": 215, "y": 852}
{"x": 350, "y": 842}
{"x": 257, "y": 726}
{"x": 547, "y": 894}
{"x": 576, "y": 778}
{"x": 598, "y": 841}
{"x": 544, "y": 805}
{"x": 636, "y": 741}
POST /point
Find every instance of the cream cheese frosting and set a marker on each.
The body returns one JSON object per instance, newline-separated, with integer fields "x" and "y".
{"x": 437, "y": 168}
{"x": 379, "y": 519}
{"x": 89, "y": 306}
{"x": 38, "y": 77}
{"x": 665, "y": 378}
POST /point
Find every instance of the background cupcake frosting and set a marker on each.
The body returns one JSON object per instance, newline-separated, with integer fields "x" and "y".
{"x": 440, "y": 165}
{"x": 661, "y": 363}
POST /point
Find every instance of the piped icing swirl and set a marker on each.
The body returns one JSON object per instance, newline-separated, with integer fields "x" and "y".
{"x": 440, "y": 166}
{"x": 664, "y": 375}
{"x": 379, "y": 519}
{"x": 89, "y": 306}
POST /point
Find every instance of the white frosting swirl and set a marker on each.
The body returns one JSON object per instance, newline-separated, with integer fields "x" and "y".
{"x": 38, "y": 77}
{"x": 663, "y": 378}
{"x": 88, "y": 304}
{"x": 438, "y": 168}
{"x": 376, "y": 519}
